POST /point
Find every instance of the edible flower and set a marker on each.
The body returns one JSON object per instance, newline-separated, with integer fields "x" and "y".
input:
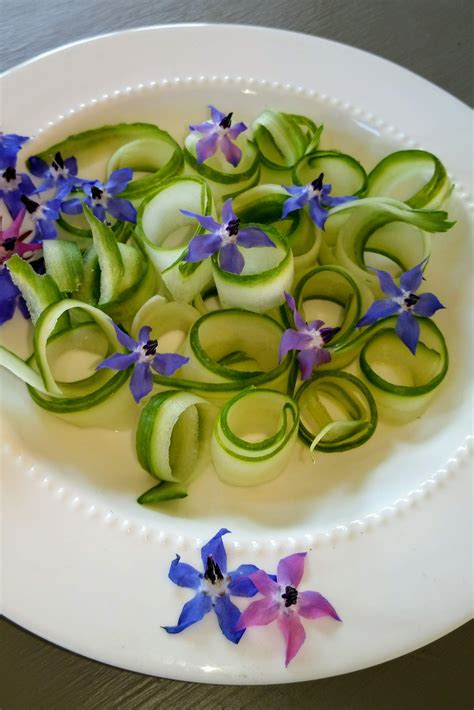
{"x": 10, "y": 145}
{"x": 11, "y": 242}
{"x": 143, "y": 356}
{"x": 404, "y": 301}
{"x": 283, "y": 601}
{"x": 103, "y": 198}
{"x": 214, "y": 587}
{"x": 309, "y": 338}
{"x": 316, "y": 195}
{"x": 59, "y": 173}
{"x": 224, "y": 239}
{"x": 219, "y": 134}
{"x": 43, "y": 215}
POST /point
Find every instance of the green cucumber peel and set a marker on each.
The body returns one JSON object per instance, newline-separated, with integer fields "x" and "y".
{"x": 63, "y": 262}
{"x": 38, "y": 290}
{"x": 162, "y": 492}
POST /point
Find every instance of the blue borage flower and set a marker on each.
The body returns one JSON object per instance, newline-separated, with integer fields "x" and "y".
{"x": 60, "y": 173}
{"x": 43, "y": 214}
{"x": 224, "y": 239}
{"x": 316, "y": 195}
{"x": 214, "y": 587}
{"x": 103, "y": 198}
{"x": 219, "y": 134}
{"x": 309, "y": 338}
{"x": 144, "y": 357}
{"x": 403, "y": 300}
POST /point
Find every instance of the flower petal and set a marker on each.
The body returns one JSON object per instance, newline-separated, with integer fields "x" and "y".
{"x": 143, "y": 335}
{"x": 118, "y": 181}
{"x": 235, "y": 130}
{"x": 13, "y": 229}
{"x": 232, "y": 152}
{"x": 10, "y": 144}
{"x": 379, "y": 309}
{"x": 13, "y": 202}
{"x": 205, "y": 127}
{"x": 230, "y": 259}
{"x": 318, "y": 214}
{"x": 408, "y": 330}
{"x": 122, "y": 209}
{"x": 45, "y": 229}
{"x": 312, "y": 605}
{"x": 7, "y": 309}
{"x": 259, "y": 613}
{"x": 124, "y": 339}
{"x": 38, "y": 167}
{"x": 299, "y": 320}
{"x": 167, "y": 363}
{"x": 206, "y": 147}
{"x": 427, "y": 305}
{"x": 192, "y": 611}
{"x": 118, "y": 361}
{"x": 293, "y": 633}
{"x": 290, "y": 569}
{"x": 73, "y": 206}
{"x": 228, "y": 615}
{"x": 203, "y": 246}
{"x": 227, "y": 212}
{"x": 253, "y": 237}
{"x": 216, "y": 115}
{"x": 290, "y": 205}
{"x": 328, "y": 201}
{"x": 264, "y": 582}
{"x": 184, "y": 575}
{"x": 387, "y": 284}
{"x": 98, "y": 211}
{"x": 141, "y": 381}
{"x": 293, "y": 340}
{"x": 71, "y": 165}
{"x": 411, "y": 280}
{"x": 240, "y": 585}
{"x": 215, "y": 549}
{"x": 308, "y": 359}
{"x": 209, "y": 223}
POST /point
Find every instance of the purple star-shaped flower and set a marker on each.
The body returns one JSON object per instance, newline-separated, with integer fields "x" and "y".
{"x": 10, "y": 145}
{"x": 43, "y": 215}
{"x": 219, "y": 134}
{"x": 103, "y": 198}
{"x": 213, "y": 588}
{"x": 404, "y": 301}
{"x": 224, "y": 239}
{"x": 143, "y": 357}
{"x": 309, "y": 338}
{"x": 61, "y": 172}
{"x": 12, "y": 242}
{"x": 284, "y": 602}
{"x": 317, "y": 196}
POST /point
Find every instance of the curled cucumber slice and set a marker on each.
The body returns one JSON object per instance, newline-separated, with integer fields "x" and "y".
{"x": 254, "y": 437}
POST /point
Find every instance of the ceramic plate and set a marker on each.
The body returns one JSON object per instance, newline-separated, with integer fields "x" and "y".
{"x": 387, "y": 526}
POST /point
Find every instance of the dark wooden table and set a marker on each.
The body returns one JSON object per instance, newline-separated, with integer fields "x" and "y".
{"x": 432, "y": 38}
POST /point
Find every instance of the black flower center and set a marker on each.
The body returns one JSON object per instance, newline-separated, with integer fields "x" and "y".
{"x": 96, "y": 192}
{"x": 58, "y": 162}
{"x": 227, "y": 120}
{"x": 150, "y": 347}
{"x": 31, "y": 205}
{"x": 9, "y": 244}
{"x": 290, "y": 596}
{"x": 233, "y": 227}
{"x": 411, "y": 300}
{"x": 9, "y": 174}
{"x": 213, "y": 572}
{"x": 318, "y": 183}
{"x": 328, "y": 334}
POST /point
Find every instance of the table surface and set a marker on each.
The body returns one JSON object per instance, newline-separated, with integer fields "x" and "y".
{"x": 432, "y": 38}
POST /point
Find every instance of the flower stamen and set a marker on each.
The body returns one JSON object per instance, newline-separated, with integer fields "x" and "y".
{"x": 290, "y": 596}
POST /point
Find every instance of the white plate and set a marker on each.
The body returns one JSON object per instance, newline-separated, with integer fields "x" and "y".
{"x": 388, "y": 525}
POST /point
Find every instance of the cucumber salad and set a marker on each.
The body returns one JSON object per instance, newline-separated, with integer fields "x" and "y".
{"x": 224, "y": 297}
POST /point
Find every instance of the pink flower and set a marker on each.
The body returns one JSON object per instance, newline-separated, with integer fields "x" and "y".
{"x": 282, "y": 601}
